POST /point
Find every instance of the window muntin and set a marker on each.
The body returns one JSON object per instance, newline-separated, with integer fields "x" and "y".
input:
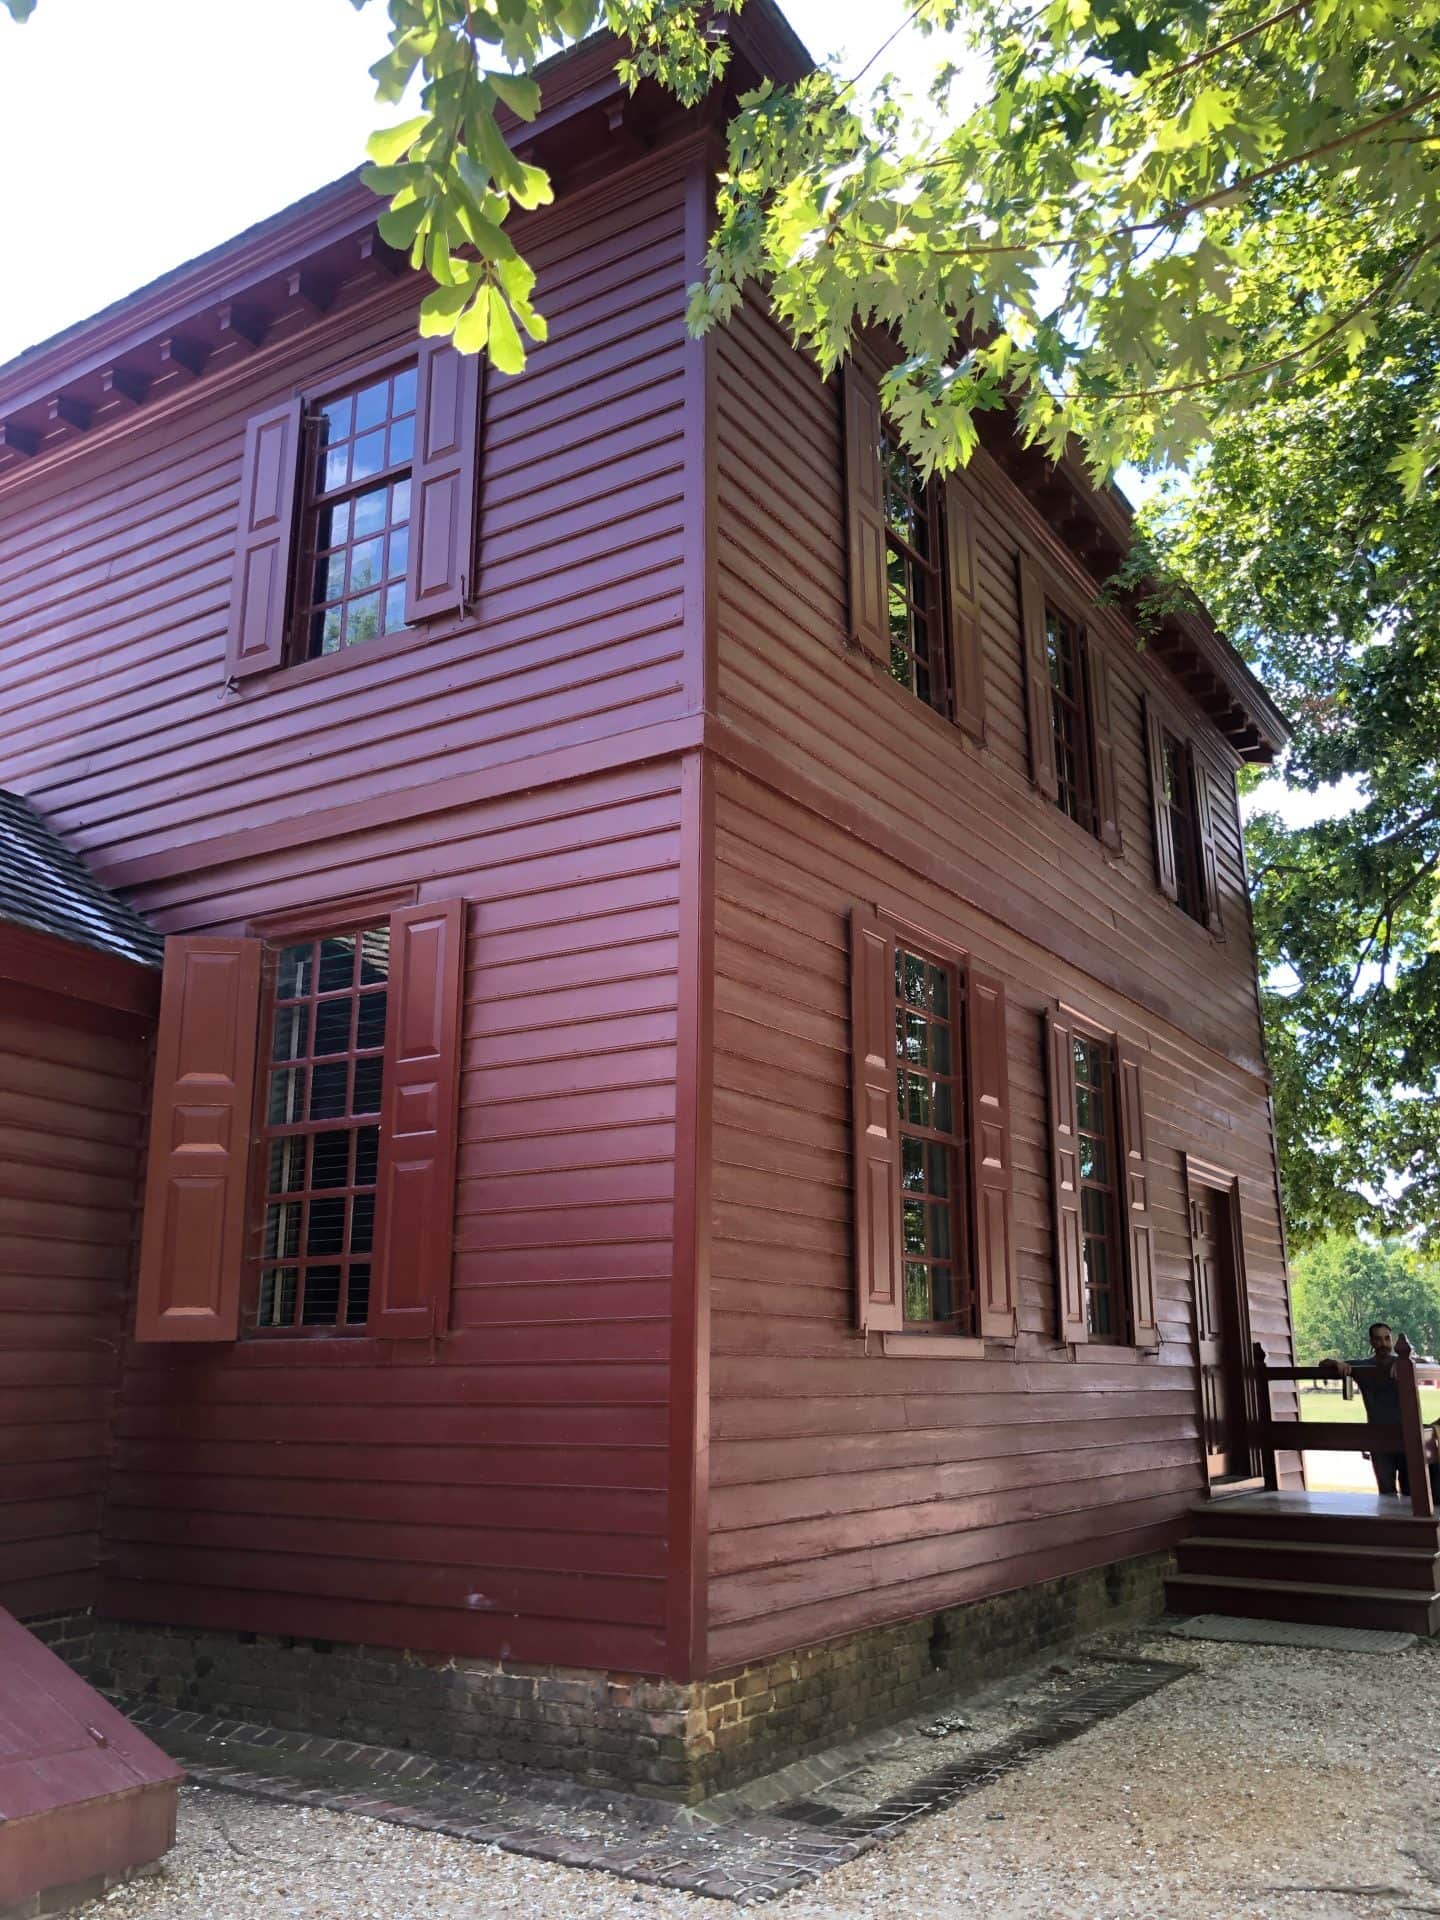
{"x": 929, "y": 1092}
{"x": 1065, "y": 646}
{"x": 912, "y": 575}
{"x": 324, "y": 1020}
{"x": 1178, "y": 780}
{"x": 355, "y": 531}
{"x": 1097, "y": 1142}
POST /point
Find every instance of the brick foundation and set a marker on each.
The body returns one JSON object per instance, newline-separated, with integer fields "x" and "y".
{"x": 658, "y": 1737}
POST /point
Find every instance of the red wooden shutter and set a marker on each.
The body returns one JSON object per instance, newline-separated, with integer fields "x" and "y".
{"x": 967, "y": 661}
{"x": 991, "y": 1175}
{"x": 1165, "y": 873}
{"x": 1107, "y": 799}
{"x": 865, "y": 505}
{"x": 1135, "y": 1198}
{"x": 260, "y": 588}
{"x": 1205, "y": 835}
{"x": 1065, "y": 1181}
{"x": 193, "y": 1243}
{"x": 445, "y": 482}
{"x": 415, "y": 1187}
{"x": 1037, "y": 680}
{"x": 879, "y": 1304}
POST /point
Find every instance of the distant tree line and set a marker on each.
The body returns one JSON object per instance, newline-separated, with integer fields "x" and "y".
{"x": 1341, "y": 1284}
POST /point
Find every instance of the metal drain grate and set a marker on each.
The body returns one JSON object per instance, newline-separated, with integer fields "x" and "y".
{"x": 1134, "y": 1681}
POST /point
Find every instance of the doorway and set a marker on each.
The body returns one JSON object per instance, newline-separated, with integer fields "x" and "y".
{"x": 1222, "y": 1329}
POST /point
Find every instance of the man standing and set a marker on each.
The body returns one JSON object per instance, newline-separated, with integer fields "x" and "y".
{"x": 1380, "y": 1390}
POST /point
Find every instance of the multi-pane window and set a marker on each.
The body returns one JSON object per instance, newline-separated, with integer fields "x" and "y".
{"x": 1099, "y": 1189}
{"x": 1070, "y": 718}
{"x": 355, "y": 535}
{"x": 912, "y": 563}
{"x": 1178, "y": 782}
{"x": 928, "y": 1089}
{"x": 320, "y": 1128}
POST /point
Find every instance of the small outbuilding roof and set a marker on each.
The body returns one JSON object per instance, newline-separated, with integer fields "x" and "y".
{"x": 46, "y": 886}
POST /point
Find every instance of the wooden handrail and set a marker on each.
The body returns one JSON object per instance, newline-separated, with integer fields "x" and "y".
{"x": 1365, "y": 1437}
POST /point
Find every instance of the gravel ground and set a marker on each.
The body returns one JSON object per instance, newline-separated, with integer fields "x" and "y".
{"x": 1276, "y": 1784}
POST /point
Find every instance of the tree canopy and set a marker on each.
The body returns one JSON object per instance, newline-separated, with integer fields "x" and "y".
{"x": 1294, "y": 530}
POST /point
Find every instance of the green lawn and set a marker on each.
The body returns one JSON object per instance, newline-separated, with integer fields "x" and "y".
{"x": 1324, "y": 1403}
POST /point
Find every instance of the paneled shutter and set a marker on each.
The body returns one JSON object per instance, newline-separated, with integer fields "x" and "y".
{"x": 1205, "y": 835}
{"x": 991, "y": 1174}
{"x": 260, "y": 587}
{"x": 445, "y": 482}
{"x": 967, "y": 664}
{"x": 1135, "y": 1198}
{"x": 879, "y": 1304}
{"x": 193, "y": 1243}
{"x": 1037, "y": 680}
{"x": 1065, "y": 1181}
{"x": 865, "y": 505}
{"x": 415, "y": 1187}
{"x": 1107, "y": 799}
{"x": 1165, "y": 872}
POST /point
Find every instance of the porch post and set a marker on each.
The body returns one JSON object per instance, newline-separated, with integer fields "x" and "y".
{"x": 1411, "y": 1426}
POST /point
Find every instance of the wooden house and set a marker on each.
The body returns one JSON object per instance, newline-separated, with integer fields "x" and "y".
{"x": 710, "y": 1157}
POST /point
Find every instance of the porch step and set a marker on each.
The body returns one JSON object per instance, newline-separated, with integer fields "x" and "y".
{"x": 1316, "y": 1604}
{"x": 1313, "y": 1519}
{"x": 1311, "y": 1562}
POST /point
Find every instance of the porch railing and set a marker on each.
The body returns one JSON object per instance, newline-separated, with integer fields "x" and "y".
{"x": 1407, "y": 1438}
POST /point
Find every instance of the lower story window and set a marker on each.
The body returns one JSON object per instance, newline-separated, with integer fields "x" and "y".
{"x": 319, "y": 1136}
{"x": 929, "y": 1092}
{"x": 1099, "y": 1189}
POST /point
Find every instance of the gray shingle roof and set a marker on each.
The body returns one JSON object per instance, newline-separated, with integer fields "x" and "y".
{"x": 46, "y": 886}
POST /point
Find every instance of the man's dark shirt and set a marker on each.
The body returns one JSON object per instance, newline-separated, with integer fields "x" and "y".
{"x": 1380, "y": 1390}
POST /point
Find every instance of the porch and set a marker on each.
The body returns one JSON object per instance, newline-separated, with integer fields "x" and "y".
{"x": 1319, "y": 1558}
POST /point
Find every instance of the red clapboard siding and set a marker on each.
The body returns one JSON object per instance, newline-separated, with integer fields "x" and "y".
{"x": 116, "y": 576}
{"x": 68, "y": 1172}
{"x": 510, "y": 1486}
{"x": 852, "y": 1487}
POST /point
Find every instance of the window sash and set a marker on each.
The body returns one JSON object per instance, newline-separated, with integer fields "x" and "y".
{"x": 351, "y": 1305}
{"x": 1105, "y": 1301}
{"x": 918, "y": 1268}
{"x": 1071, "y": 721}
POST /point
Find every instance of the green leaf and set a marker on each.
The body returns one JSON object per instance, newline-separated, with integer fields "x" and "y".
{"x": 520, "y": 93}
{"x": 393, "y": 143}
{"x": 507, "y": 353}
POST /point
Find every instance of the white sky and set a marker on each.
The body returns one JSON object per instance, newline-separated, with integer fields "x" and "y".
{"x": 135, "y": 134}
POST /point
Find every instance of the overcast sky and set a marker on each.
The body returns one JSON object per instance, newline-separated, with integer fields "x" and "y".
{"x": 135, "y": 134}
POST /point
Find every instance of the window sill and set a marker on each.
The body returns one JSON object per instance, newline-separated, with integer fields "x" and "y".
{"x": 385, "y": 646}
{"x": 932, "y": 1346}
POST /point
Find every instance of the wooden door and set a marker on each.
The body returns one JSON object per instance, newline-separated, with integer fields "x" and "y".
{"x": 1219, "y": 1333}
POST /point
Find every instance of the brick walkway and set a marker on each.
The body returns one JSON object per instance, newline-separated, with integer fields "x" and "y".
{"x": 727, "y": 1850}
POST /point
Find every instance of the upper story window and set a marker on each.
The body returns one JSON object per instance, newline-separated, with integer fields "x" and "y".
{"x": 357, "y": 511}
{"x": 355, "y": 531}
{"x": 912, "y": 575}
{"x": 1065, "y": 655}
{"x": 1179, "y": 786}
{"x": 320, "y": 1132}
{"x": 1182, "y": 810}
{"x": 1067, "y": 689}
{"x": 929, "y": 1093}
{"x": 911, "y": 552}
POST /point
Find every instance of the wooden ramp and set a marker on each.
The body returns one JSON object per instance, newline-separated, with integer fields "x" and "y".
{"x": 84, "y": 1796}
{"x": 1326, "y": 1559}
